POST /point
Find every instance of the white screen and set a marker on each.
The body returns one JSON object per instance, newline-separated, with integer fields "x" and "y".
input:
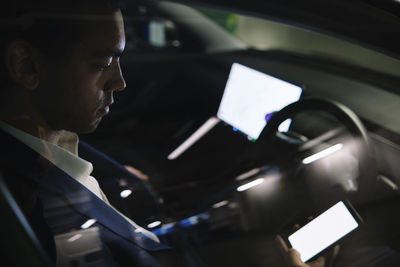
{"x": 250, "y": 95}
{"x": 323, "y": 231}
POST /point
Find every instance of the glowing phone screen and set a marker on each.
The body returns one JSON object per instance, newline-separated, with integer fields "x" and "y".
{"x": 323, "y": 231}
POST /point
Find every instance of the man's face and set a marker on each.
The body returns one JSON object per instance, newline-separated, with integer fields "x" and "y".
{"x": 75, "y": 93}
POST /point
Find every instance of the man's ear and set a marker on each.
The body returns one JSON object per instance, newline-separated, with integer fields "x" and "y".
{"x": 22, "y": 64}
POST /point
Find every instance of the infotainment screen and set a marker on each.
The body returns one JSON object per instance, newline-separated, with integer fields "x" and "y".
{"x": 250, "y": 97}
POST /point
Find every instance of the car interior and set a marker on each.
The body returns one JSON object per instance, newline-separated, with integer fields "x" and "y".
{"x": 178, "y": 63}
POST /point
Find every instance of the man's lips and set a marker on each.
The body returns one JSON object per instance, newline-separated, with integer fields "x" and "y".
{"x": 105, "y": 108}
{"x": 104, "y": 111}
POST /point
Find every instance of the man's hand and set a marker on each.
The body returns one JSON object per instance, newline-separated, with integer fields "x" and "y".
{"x": 292, "y": 256}
{"x": 137, "y": 173}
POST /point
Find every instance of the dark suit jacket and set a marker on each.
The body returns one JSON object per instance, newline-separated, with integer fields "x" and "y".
{"x": 51, "y": 199}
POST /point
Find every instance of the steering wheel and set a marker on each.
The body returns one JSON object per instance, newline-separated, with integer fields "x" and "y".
{"x": 342, "y": 113}
{"x": 367, "y": 170}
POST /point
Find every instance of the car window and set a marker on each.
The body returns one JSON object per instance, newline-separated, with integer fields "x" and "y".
{"x": 149, "y": 31}
{"x": 269, "y": 35}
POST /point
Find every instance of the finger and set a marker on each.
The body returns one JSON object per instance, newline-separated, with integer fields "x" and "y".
{"x": 309, "y": 218}
{"x": 320, "y": 262}
{"x": 294, "y": 258}
{"x": 336, "y": 251}
{"x": 281, "y": 243}
{"x": 296, "y": 226}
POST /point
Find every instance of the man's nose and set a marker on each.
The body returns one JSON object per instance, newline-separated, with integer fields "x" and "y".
{"x": 117, "y": 81}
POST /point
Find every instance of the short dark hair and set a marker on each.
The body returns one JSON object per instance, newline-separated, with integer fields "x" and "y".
{"x": 52, "y": 27}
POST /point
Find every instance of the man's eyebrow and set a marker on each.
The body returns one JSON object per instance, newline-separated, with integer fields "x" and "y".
{"x": 109, "y": 53}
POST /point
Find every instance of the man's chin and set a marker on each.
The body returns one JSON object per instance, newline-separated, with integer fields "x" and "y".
{"x": 89, "y": 128}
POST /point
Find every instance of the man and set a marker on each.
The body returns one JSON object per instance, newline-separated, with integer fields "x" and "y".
{"x": 59, "y": 69}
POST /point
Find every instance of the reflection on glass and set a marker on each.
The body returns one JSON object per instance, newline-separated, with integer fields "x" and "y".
{"x": 250, "y": 185}
{"x": 322, "y": 154}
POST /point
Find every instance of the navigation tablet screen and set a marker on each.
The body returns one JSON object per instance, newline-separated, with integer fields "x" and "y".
{"x": 250, "y": 97}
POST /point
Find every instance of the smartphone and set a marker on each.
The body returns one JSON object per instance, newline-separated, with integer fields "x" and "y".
{"x": 325, "y": 230}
